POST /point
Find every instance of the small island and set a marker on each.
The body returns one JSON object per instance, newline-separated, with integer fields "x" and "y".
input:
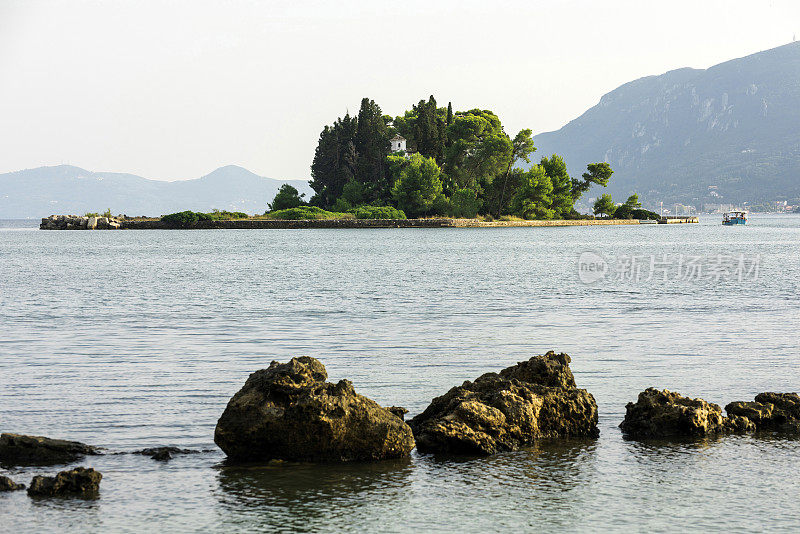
{"x": 430, "y": 167}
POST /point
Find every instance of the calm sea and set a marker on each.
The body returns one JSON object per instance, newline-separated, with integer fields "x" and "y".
{"x": 135, "y": 339}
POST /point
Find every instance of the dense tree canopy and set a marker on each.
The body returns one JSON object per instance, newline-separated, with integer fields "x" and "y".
{"x": 457, "y": 163}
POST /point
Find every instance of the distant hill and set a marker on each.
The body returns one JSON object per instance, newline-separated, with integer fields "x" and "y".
{"x": 65, "y": 189}
{"x": 727, "y": 134}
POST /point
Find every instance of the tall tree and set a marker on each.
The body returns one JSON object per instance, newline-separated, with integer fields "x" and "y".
{"x": 604, "y": 205}
{"x": 598, "y": 173}
{"x": 521, "y": 149}
{"x": 479, "y": 149}
{"x": 419, "y": 186}
{"x": 561, "y": 198}
{"x": 372, "y": 146}
{"x": 532, "y": 200}
{"x": 334, "y": 161}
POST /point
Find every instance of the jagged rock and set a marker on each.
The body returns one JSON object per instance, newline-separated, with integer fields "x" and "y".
{"x": 91, "y": 224}
{"x": 81, "y": 481}
{"x": 502, "y": 412}
{"x": 17, "y": 449}
{"x": 666, "y": 413}
{"x": 770, "y": 411}
{"x": 289, "y": 412}
{"x": 6, "y": 484}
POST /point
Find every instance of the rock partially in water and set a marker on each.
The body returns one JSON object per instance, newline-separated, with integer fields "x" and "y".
{"x": 17, "y": 449}
{"x": 164, "y": 453}
{"x": 503, "y": 412}
{"x": 770, "y": 411}
{"x": 6, "y": 484}
{"x": 666, "y": 413}
{"x": 78, "y": 482}
{"x": 290, "y": 412}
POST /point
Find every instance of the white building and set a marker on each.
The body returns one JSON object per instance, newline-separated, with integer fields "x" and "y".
{"x": 398, "y": 143}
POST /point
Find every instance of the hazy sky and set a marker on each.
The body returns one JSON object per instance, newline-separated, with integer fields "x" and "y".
{"x": 173, "y": 90}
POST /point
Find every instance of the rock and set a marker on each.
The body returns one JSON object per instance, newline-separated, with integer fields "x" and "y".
{"x": 91, "y": 224}
{"x": 16, "y": 449}
{"x": 113, "y": 225}
{"x": 506, "y": 411}
{"x": 6, "y": 484}
{"x": 769, "y": 411}
{"x": 163, "y": 453}
{"x": 289, "y": 412}
{"x": 81, "y": 482}
{"x": 399, "y": 411}
{"x": 666, "y": 413}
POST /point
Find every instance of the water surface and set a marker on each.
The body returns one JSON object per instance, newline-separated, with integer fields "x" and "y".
{"x": 138, "y": 338}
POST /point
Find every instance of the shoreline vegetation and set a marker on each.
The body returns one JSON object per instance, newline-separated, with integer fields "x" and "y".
{"x": 430, "y": 167}
{"x": 72, "y": 222}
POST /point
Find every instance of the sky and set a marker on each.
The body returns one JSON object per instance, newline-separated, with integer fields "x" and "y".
{"x": 172, "y": 90}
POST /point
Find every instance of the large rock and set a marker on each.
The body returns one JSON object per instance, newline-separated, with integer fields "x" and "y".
{"x": 666, "y": 413}
{"x": 17, "y": 449}
{"x": 6, "y": 484}
{"x": 79, "y": 482}
{"x": 770, "y": 411}
{"x": 503, "y": 412}
{"x": 290, "y": 412}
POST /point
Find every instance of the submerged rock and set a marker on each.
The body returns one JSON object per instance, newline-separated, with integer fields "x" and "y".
{"x": 502, "y": 412}
{"x": 289, "y": 412}
{"x": 17, "y": 449}
{"x": 666, "y": 413}
{"x": 770, "y": 411}
{"x": 6, "y": 484}
{"x": 80, "y": 482}
{"x": 164, "y": 453}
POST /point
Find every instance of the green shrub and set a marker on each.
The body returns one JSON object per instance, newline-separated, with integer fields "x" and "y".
{"x": 286, "y": 198}
{"x": 306, "y": 212}
{"x": 181, "y": 219}
{"x": 644, "y": 214}
{"x": 623, "y": 212}
{"x": 464, "y": 203}
{"x": 218, "y": 215}
{"x": 377, "y": 212}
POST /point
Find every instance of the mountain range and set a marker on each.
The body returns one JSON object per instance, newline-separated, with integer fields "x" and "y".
{"x": 726, "y": 134}
{"x": 64, "y": 189}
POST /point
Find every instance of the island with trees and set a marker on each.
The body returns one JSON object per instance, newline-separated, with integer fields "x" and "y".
{"x": 434, "y": 162}
{"x": 430, "y": 167}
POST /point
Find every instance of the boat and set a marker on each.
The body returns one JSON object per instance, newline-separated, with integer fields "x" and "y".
{"x": 734, "y": 217}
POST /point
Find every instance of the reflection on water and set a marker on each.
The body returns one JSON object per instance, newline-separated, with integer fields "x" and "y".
{"x": 406, "y": 494}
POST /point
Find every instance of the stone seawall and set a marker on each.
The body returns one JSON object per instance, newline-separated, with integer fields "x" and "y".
{"x": 62, "y": 222}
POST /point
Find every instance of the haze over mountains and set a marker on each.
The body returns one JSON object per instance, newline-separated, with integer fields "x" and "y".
{"x": 727, "y": 134}
{"x": 65, "y": 189}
